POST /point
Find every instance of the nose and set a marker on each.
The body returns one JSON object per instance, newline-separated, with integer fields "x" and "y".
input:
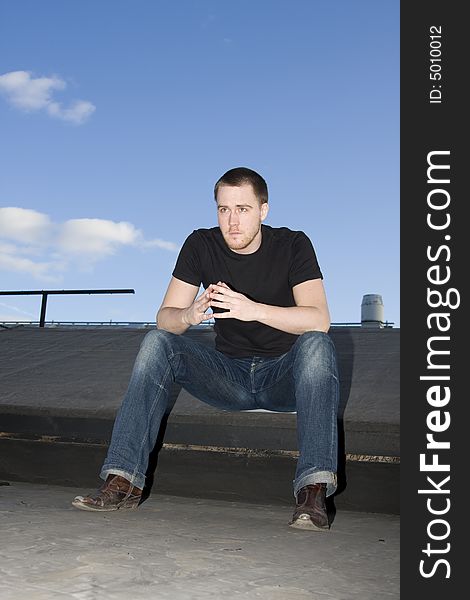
{"x": 233, "y": 218}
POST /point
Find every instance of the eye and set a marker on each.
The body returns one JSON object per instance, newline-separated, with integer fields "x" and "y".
{"x": 242, "y": 209}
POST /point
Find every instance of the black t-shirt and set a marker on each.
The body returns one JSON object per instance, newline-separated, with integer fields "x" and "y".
{"x": 284, "y": 259}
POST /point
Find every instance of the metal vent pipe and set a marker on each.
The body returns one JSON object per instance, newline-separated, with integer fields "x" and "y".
{"x": 372, "y": 311}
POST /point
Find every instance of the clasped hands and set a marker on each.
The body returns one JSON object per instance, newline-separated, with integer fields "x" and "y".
{"x": 237, "y": 306}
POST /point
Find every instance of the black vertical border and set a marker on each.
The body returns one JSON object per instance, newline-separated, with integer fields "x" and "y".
{"x": 427, "y": 127}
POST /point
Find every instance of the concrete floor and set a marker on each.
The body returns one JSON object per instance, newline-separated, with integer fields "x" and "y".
{"x": 183, "y": 549}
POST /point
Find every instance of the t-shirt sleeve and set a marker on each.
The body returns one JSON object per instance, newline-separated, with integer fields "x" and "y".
{"x": 188, "y": 263}
{"x": 304, "y": 265}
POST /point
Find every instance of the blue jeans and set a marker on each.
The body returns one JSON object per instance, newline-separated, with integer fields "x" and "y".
{"x": 303, "y": 380}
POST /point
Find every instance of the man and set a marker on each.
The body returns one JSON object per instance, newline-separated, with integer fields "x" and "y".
{"x": 273, "y": 352}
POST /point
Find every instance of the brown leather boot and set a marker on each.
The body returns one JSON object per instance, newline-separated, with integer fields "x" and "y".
{"x": 310, "y": 511}
{"x": 116, "y": 493}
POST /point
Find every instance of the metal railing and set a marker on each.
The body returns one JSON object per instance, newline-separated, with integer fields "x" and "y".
{"x": 46, "y": 293}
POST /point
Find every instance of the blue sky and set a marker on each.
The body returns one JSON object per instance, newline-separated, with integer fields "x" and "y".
{"x": 117, "y": 117}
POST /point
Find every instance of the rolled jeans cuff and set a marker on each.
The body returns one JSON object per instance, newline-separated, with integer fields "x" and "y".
{"x": 312, "y": 477}
{"x": 136, "y": 479}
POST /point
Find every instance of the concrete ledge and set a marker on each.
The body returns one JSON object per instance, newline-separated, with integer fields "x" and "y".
{"x": 61, "y": 388}
{"x": 218, "y": 473}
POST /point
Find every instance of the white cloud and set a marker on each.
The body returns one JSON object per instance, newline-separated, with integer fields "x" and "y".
{"x": 78, "y": 112}
{"x": 24, "y": 225}
{"x": 17, "y": 264}
{"x": 30, "y": 93}
{"x": 97, "y": 237}
{"x": 157, "y": 243}
{"x": 30, "y": 242}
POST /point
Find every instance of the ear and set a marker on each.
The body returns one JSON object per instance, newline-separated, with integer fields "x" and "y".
{"x": 264, "y": 210}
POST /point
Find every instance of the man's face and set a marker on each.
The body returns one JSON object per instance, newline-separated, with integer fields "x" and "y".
{"x": 240, "y": 215}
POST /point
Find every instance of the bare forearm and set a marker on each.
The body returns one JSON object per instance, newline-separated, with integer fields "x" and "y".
{"x": 294, "y": 319}
{"x": 172, "y": 319}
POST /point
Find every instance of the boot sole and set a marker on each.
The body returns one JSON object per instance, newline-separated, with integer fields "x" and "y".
{"x": 84, "y": 506}
{"x": 307, "y": 525}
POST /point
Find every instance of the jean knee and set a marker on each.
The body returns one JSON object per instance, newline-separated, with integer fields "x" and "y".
{"x": 315, "y": 348}
{"x": 155, "y": 343}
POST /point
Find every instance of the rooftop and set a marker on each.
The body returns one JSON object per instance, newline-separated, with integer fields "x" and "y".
{"x": 185, "y": 549}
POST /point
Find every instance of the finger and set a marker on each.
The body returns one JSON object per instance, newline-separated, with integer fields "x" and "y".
{"x": 204, "y": 297}
{"x": 220, "y": 304}
{"x": 204, "y": 307}
{"x": 207, "y": 316}
{"x": 224, "y": 290}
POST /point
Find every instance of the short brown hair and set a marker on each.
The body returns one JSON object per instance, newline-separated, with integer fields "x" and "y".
{"x": 241, "y": 175}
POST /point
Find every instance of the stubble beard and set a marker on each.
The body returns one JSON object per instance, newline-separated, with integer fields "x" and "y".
{"x": 243, "y": 241}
